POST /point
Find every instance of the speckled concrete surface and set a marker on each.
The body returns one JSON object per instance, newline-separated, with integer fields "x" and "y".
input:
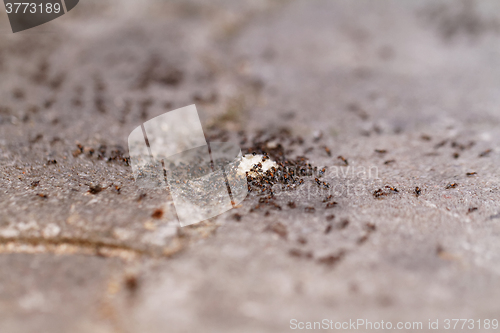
{"x": 405, "y": 91}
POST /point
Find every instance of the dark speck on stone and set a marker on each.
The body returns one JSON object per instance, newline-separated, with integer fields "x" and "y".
{"x": 157, "y": 214}
{"x": 94, "y": 189}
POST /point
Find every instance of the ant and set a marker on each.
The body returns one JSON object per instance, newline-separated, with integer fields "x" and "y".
{"x": 324, "y": 184}
{"x": 425, "y": 137}
{"x": 343, "y": 224}
{"x": 417, "y": 191}
{"x": 472, "y": 209}
{"x": 485, "y": 153}
{"x": 94, "y": 189}
{"x": 331, "y": 204}
{"x": 392, "y": 188}
{"x": 328, "y": 198}
{"x": 343, "y": 159}
{"x": 440, "y": 144}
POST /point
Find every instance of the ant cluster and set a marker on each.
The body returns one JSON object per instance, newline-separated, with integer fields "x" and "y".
{"x": 329, "y": 202}
{"x": 115, "y": 155}
{"x": 286, "y": 174}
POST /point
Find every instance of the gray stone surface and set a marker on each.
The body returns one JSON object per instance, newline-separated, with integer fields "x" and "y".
{"x": 83, "y": 249}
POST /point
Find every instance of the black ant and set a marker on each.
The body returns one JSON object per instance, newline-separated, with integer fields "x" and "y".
{"x": 324, "y": 184}
{"x": 378, "y": 193}
{"x": 331, "y": 204}
{"x": 275, "y": 205}
{"x": 472, "y": 209}
{"x": 440, "y": 144}
{"x": 425, "y": 137}
{"x": 343, "y": 224}
{"x": 485, "y": 153}
{"x": 393, "y": 189}
{"x": 362, "y": 239}
{"x": 94, "y": 189}
{"x": 302, "y": 240}
{"x": 417, "y": 191}
{"x": 343, "y": 159}
{"x": 328, "y": 198}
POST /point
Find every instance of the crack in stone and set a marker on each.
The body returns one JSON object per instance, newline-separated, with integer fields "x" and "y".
{"x": 69, "y": 246}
